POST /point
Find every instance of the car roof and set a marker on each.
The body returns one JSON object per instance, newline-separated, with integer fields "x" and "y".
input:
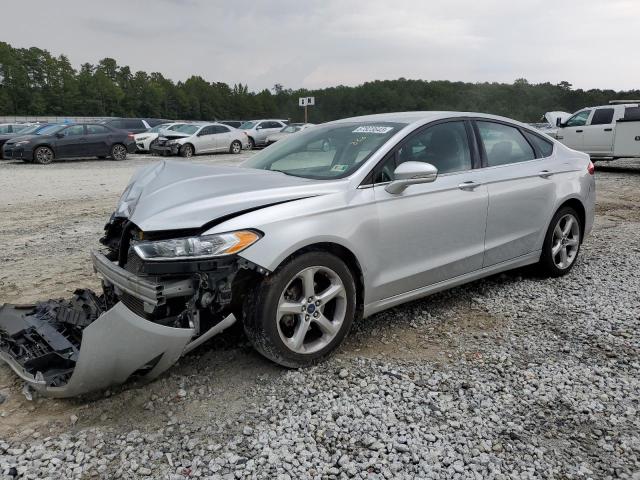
{"x": 423, "y": 117}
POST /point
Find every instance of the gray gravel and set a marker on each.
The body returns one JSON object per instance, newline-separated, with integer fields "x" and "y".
{"x": 511, "y": 377}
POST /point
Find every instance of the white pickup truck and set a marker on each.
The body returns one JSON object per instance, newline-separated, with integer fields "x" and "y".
{"x": 606, "y": 132}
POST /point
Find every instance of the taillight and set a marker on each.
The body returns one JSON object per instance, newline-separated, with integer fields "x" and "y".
{"x": 131, "y": 135}
{"x": 591, "y": 168}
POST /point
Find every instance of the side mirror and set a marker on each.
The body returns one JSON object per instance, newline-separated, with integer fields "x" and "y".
{"x": 411, "y": 173}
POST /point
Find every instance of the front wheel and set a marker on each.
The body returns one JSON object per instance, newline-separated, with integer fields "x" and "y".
{"x": 186, "y": 151}
{"x": 301, "y": 313}
{"x": 236, "y": 147}
{"x": 118, "y": 152}
{"x": 562, "y": 243}
{"x": 43, "y": 155}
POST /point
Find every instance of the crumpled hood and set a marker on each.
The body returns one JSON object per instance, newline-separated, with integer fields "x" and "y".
{"x": 551, "y": 117}
{"x": 171, "y": 195}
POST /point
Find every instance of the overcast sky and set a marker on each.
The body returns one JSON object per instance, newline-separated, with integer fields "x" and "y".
{"x": 308, "y": 43}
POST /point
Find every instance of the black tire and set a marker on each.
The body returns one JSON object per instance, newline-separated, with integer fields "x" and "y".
{"x": 549, "y": 262}
{"x": 251, "y": 144}
{"x": 236, "y": 147}
{"x": 261, "y": 305}
{"x": 43, "y": 155}
{"x": 187, "y": 151}
{"x": 118, "y": 152}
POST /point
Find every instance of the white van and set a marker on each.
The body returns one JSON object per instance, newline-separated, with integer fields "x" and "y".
{"x": 606, "y": 132}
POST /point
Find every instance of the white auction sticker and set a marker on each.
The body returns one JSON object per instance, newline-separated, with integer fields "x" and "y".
{"x": 372, "y": 129}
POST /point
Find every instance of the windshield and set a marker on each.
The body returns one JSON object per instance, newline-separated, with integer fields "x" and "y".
{"x": 325, "y": 152}
{"x": 50, "y": 129}
{"x": 30, "y": 129}
{"x": 157, "y": 128}
{"x": 247, "y": 125}
{"x": 291, "y": 129}
{"x": 188, "y": 129}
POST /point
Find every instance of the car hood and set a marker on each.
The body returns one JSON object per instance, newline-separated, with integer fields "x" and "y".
{"x": 552, "y": 117}
{"x": 172, "y": 195}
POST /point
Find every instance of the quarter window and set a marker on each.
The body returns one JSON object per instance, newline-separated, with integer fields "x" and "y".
{"x": 504, "y": 144}
{"x": 545, "y": 147}
{"x": 579, "y": 119}
{"x": 602, "y": 116}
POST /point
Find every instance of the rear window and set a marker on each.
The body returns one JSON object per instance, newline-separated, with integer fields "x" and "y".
{"x": 544, "y": 146}
{"x": 632, "y": 113}
{"x": 602, "y": 116}
{"x": 504, "y": 144}
{"x": 134, "y": 124}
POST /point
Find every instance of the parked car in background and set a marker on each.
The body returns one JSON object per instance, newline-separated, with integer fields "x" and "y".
{"x": 605, "y": 132}
{"x": 232, "y": 123}
{"x": 286, "y": 131}
{"x": 72, "y": 140}
{"x": 144, "y": 139}
{"x": 131, "y": 125}
{"x": 152, "y": 122}
{"x": 259, "y": 130}
{"x": 29, "y": 130}
{"x": 298, "y": 242}
{"x": 195, "y": 138}
{"x": 548, "y": 126}
{"x": 13, "y": 127}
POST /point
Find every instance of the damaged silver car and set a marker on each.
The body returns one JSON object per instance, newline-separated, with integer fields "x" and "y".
{"x": 332, "y": 224}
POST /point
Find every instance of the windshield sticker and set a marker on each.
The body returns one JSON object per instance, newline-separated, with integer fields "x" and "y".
{"x": 339, "y": 168}
{"x": 372, "y": 129}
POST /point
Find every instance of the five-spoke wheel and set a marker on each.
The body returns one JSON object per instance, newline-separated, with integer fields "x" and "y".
{"x": 562, "y": 242}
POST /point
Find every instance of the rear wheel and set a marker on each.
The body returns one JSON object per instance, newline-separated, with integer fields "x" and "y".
{"x": 251, "y": 144}
{"x": 236, "y": 147}
{"x": 301, "y": 313}
{"x": 43, "y": 155}
{"x": 118, "y": 152}
{"x": 186, "y": 151}
{"x": 562, "y": 243}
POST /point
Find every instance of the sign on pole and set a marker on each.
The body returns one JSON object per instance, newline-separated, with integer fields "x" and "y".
{"x": 306, "y": 102}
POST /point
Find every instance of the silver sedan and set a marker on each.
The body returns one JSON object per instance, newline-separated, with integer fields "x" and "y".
{"x": 327, "y": 226}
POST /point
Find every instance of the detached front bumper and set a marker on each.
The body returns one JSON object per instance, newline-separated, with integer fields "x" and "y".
{"x": 61, "y": 352}
{"x": 165, "y": 150}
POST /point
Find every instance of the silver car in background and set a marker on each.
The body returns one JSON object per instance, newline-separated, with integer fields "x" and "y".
{"x": 258, "y": 130}
{"x": 286, "y": 131}
{"x": 330, "y": 225}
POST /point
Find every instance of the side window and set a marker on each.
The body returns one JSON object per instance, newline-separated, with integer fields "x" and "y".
{"x": 220, "y": 129}
{"x": 5, "y": 128}
{"x": 97, "y": 130}
{"x": 445, "y": 146}
{"x": 504, "y": 144}
{"x": 602, "y": 116}
{"x": 207, "y": 130}
{"x": 75, "y": 130}
{"x": 134, "y": 124}
{"x": 579, "y": 119}
{"x": 544, "y": 146}
{"x": 272, "y": 125}
{"x": 632, "y": 113}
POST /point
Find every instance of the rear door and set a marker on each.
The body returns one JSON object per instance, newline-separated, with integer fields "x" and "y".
{"x": 572, "y": 131}
{"x": 430, "y": 232}
{"x": 98, "y": 140}
{"x": 519, "y": 174}
{"x": 598, "y": 133}
{"x": 73, "y": 142}
{"x": 223, "y": 137}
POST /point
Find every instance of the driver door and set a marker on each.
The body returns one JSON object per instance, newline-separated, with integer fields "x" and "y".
{"x": 205, "y": 140}
{"x": 73, "y": 142}
{"x": 430, "y": 232}
{"x": 572, "y": 131}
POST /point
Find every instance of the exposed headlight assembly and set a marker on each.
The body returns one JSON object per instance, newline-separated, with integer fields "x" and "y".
{"x": 205, "y": 246}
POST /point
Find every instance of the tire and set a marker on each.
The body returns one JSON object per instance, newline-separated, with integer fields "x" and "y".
{"x": 236, "y": 147}
{"x": 43, "y": 155}
{"x": 251, "y": 144}
{"x": 301, "y": 339}
{"x": 186, "y": 151}
{"x": 561, "y": 243}
{"x": 118, "y": 152}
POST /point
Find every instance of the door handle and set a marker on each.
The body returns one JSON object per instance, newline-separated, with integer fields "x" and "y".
{"x": 559, "y": 137}
{"x": 579, "y": 131}
{"x": 469, "y": 186}
{"x": 608, "y": 129}
{"x": 545, "y": 174}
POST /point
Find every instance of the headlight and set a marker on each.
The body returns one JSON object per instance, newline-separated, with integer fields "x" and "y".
{"x": 23, "y": 142}
{"x": 205, "y": 246}
{"x": 141, "y": 139}
{"x": 171, "y": 142}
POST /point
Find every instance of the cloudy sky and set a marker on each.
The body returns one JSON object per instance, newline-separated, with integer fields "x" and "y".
{"x": 309, "y": 43}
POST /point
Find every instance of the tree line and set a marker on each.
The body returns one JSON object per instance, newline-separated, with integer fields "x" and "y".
{"x": 34, "y": 82}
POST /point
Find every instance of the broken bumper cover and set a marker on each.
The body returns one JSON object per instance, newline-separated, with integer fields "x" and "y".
{"x": 171, "y": 149}
{"x": 116, "y": 345}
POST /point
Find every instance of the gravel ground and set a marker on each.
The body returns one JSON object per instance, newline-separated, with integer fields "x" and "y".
{"x": 514, "y": 376}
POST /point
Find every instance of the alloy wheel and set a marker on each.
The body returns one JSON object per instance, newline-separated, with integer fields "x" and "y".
{"x": 566, "y": 241}
{"x": 236, "y": 147}
{"x": 44, "y": 155}
{"x": 119, "y": 152}
{"x": 311, "y": 310}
